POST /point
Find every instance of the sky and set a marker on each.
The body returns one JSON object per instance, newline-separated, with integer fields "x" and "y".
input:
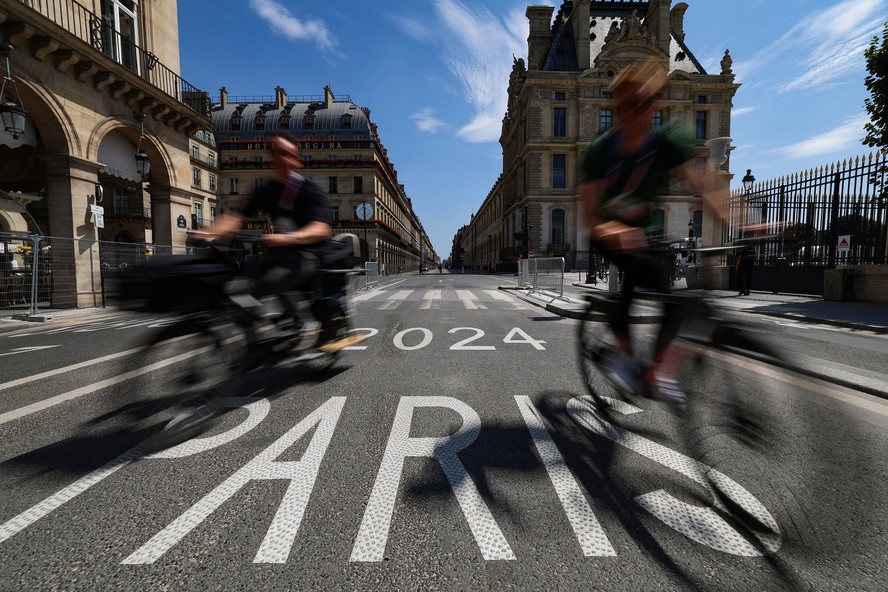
{"x": 434, "y": 75}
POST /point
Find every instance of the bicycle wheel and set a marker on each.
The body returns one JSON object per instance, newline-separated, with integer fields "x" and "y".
{"x": 194, "y": 364}
{"x": 595, "y": 339}
{"x": 732, "y": 426}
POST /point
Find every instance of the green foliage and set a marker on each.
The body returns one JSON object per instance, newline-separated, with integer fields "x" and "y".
{"x": 877, "y": 84}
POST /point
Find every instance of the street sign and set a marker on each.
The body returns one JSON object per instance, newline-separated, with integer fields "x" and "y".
{"x": 844, "y": 243}
{"x": 530, "y": 253}
{"x": 364, "y": 211}
{"x": 98, "y": 213}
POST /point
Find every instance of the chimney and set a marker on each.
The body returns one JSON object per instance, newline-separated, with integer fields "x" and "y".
{"x": 677, "y": 17}
{"x": 581, "y": 21}
{"x": 328, "y": 96}
{"x": 280, "y": 97}
{"x": 658, "y": 22}
{"x": 540, "y": 36}
{"x": 223, "y": 96}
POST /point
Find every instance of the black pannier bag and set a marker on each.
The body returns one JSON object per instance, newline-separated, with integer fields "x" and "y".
{"x": 175, "y": 283}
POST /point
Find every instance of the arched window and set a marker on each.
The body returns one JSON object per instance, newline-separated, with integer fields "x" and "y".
{"x": 557, "y": 226}
{"x": 698, "y": 223}
{"x": 657, "y": 226}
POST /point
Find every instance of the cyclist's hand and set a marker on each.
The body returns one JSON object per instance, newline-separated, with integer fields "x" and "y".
{"x": 619, "y": 237}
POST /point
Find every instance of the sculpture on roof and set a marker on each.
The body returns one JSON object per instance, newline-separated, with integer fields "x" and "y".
{"x": 727, "y": 63}
{"x": 630, "y": 29}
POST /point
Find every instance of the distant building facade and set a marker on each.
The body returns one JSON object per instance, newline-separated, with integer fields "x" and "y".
{"x": 559, "y": 100}
{"x": 342, "y": 153}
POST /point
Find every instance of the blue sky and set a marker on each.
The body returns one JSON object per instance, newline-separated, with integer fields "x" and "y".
{"x": 434, "y": 74}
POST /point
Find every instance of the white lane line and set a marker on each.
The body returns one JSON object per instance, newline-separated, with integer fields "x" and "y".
{"x": 91, "y": 388}
{"x": 395, "y": 299}
{"x": 31, "y": 349}
{"x": 469, "y": 300}
{"x": 428, "y": 298}
{"x": 66, "y": 369}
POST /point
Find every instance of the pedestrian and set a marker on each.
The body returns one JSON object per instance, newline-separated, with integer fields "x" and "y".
{"x": 745, "y": 263}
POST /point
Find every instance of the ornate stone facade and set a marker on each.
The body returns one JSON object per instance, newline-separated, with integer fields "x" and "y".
{"x": 561, "y": 101}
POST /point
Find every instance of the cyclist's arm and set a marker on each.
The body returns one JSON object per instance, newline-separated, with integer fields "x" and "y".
{"x": 312, "y": 233}
{"x": 614, "y": 235}
{"x": 226, "y": 225}
{"x": 703, "y": 185}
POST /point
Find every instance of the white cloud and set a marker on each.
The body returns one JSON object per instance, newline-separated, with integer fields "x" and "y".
{"x": 283, "y": 22}
{"x": 848, "y": 134}
{"x": 426, "y": 120}
{"x": 741, "y": 111}
{"x": 478, "y": 48}
{"x": 830, "y": 41}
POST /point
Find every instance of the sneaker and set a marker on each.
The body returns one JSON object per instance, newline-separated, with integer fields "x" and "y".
{"x": 620, "y": 369}
{"x": 666, "y": 390}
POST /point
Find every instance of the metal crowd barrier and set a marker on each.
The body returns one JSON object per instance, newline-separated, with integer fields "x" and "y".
{"x": 372, "y": 275}
{"x": 547, "y": 274}
{"x": 524, "y": 272}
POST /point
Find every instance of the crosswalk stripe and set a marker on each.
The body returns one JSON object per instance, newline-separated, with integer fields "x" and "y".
{"x": 469, "y": 300}
{"x": 499, "y": 296}
{"x": 395, "y": 299}
{"x": 367, "y": 295}
{"x": 429, "y": 297}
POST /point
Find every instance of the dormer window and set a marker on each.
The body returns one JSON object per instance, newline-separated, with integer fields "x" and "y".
{"x": 284, "y": 122}
{"x": 308, "y": 122}
{"x": 236, "y": 120}
{"x": 260, "y": 122}
{"x": 345, "y": 121}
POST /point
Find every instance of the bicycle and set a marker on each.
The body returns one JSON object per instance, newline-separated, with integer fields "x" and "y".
{"x": 219, "y": 335}
{"x": 724, "y": 422}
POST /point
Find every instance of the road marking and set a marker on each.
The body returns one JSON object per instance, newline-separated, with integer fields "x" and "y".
{"x": 368, "y": 295}
{"x": 469, "y": 300}
{"x": 395, "y": 299}
{"x": 66, "y": 369}
{"x": 428, "y": 298}
{"x": 499, "y": 296}
{"x": 91, "y": 388}
{"x": 25, "y": 350}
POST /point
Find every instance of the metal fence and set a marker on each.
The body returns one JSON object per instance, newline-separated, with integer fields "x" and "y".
{"x": 40, "y": 273}
{"x": 371, "y": 278}
{"x": 822, "y": 217}
{"x": 542, "y": 273}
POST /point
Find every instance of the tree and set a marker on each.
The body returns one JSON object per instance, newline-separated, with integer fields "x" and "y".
{"x": 877, "y": 85}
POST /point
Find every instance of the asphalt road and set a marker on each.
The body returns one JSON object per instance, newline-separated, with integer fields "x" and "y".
{"x": 453, "y": 449}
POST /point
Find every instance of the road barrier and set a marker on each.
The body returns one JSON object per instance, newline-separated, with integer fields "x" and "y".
{"x": 542, "y": 273}
{"x": 371, "y": 278}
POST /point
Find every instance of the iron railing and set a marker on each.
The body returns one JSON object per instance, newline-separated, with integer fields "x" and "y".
{"x": 99, "y": 33}
{"x": 822, "y": 217}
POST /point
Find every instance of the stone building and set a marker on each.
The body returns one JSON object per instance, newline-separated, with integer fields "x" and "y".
{"x": 342, "y": 153}
{"x": 559, "y": 99}
{"x": 99, "y": 81}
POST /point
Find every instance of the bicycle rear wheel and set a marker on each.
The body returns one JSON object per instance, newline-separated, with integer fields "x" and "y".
{"x": 197, "y": 363}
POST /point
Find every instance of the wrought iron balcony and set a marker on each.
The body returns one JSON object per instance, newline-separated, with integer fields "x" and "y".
{"x": 44, "y": 24}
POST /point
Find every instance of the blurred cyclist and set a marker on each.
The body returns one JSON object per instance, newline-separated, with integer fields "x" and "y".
{"x": 301, "y": 222}
{"x": 622, "y": 172}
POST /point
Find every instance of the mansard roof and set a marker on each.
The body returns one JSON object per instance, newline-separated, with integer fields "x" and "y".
{"x": 306, "y": 117}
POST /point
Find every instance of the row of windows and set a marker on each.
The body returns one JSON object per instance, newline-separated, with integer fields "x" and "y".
{"x": 606, "y": 121}
{"x": 308, "y": 121}
{"x": 196, "y": 178}
{"x": 195, "y": 154}
{"x": 332, "y": 183}
{"x": 658, "y": 224}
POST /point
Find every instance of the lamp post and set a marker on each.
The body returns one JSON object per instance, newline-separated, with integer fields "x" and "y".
{"x": 748, "y": 182}
{"x": 12, "y": 113}
{"x": 143, "y": 162}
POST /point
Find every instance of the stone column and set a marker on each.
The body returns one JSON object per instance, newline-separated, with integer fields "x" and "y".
{"x": 70, "y": 269}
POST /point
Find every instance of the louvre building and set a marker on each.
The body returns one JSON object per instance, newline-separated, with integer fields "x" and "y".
{"x": 559, "y": 100}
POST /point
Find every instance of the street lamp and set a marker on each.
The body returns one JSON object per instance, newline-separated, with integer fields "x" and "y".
{"x": 748, "y": 183}
{"x": 143, "y": 162}
{"x": 12, "y": 113}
